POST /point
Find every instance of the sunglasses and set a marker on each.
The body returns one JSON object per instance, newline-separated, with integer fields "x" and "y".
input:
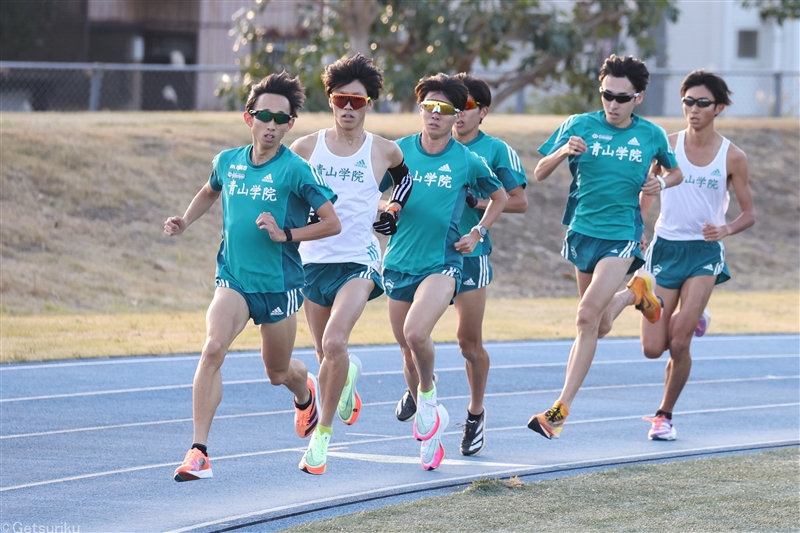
{"x": 356, "y": 100}
{"x": 472, "y": 104}
{"x": 443, "y": 108}
{"x": 621, "y": 98}
{"x": 265, "y": 115}
{"x": 688, "y": 101}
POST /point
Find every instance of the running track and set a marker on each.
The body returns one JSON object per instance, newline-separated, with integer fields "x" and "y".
{"x": 91, "y": 445}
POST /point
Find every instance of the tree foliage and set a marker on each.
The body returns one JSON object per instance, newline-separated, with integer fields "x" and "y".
{"x": 410, "y": 39}
{"x": 777, "y": 10}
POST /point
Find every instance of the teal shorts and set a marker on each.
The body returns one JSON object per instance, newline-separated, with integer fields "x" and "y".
{"x": 267, "y": 307}
{"x": 325, "y": 280}
{"x": 673, "y": 262}
{"x": 477, "y": 273}
{"x": 585, "y": 252}
{"x": 401, "y": 286}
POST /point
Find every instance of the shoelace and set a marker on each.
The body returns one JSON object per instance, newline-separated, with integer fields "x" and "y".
{"x": 554, "y": 414}
{"x": 657, "y": 420}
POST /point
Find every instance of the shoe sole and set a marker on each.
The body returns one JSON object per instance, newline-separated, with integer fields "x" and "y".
{"x": 444, "y": 419}
{"x": 534, "y": 424}
{"x": 357, "y": 399}
{"x": 318, "y": 471}
{"x": 192, "y": 475}
{"x": 419, "y": 436}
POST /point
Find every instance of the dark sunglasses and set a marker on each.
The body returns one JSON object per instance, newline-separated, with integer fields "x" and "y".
{"x": 688, "y": 101}
{"x": 443, "y": 108}
{"x": 472, "y": 104}
{"x": 621, "y": 98}
{"x": 265, "y": 115}
{"x": 356, "y": 100}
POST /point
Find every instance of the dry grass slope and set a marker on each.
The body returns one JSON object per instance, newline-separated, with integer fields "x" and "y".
{"x": 84, "y": 197}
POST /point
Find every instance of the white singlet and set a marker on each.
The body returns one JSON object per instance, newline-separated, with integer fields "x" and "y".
{"x": 701, "y": 197}
{"x": 353, "y": 181}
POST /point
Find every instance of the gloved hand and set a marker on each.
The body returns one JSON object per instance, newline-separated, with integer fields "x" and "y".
{"x": 386, "y": 224}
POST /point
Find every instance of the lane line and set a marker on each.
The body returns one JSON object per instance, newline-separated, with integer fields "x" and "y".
{"x": 357, "y": 497}
{"x": 397, "y": 459}
{"x": 641, "y": 360}
{"x": 394, "y": 402}
{"x": 359, "y": 442}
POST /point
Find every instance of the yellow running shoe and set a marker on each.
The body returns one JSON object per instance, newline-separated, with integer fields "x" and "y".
{"x": 643, "y": 285}
{"x": 550, "y": 423}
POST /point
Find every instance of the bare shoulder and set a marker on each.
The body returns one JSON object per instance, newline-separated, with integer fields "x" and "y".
{"x": 673, "y": 138}
{"x": 736, "y": 158}
{"x": 388, "y": 150}
{"x": 304, "y": 146}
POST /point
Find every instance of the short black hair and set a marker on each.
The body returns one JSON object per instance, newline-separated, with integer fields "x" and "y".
{"x": 279, "y": 83}
{"x": 478, "y": 89}
{"x": 454, "y": 90}
{"x": 626, "y": 67}
{"x": 350, "y": 69}
{"x": 711, "y": 81}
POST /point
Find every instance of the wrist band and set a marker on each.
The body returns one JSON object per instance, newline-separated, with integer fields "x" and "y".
{"x": 288, "y": 233}
{"x": 662, "y": 182}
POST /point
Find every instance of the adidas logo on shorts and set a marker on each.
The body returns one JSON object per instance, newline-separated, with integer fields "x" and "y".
{"x": 709, "y": 267}
{"x": 445, "y": 168}
{"x": 470, "y": 282}
{"x": 277, "y": 311}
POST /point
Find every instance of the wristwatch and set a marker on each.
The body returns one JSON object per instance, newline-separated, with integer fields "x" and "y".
{"x": 481, "y": 231}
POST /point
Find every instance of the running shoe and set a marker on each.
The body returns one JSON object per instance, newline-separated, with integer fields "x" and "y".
{"x": 195, "y": 466}
{"x": 474, "y": 438}
{"x": 407, "y": 406}
{"x": 550, "y": 423}
{"x": 427, "y": 421}
{"x": 431, "y": 451}
{"x": 350, "y": 402}
{"x": 643, "y": 285}
{"x": 703, "y": 324}
{"x": 662, "y": 428}
{"x": 316, "y": 456}
{"x": 305, "y": 420}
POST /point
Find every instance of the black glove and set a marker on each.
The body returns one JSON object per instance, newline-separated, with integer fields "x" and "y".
{"x": 386, "y": 224}
{"x": 313, "y": 217}
{"x": 472, "y": 201}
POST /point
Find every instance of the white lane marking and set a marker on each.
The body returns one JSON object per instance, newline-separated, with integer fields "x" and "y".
{"x": 394, "y": 372}
{"x": 369, "y": 441}
{"x": 366, "y": 349}
{"x": 372, "y": 458}
{"x": 393, "y": 402}
{"x": 454, "y": 479}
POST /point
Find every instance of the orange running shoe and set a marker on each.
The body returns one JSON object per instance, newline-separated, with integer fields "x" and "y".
{"x": 195, "y": 466}
{"x": 643, "y": 285}
{"x": 550, "y": 423}
{"x": 305, "y": 420}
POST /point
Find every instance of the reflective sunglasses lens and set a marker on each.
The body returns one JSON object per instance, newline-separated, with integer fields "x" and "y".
{"x": 621, "y": 98}
{"x": 356, "y": 101}
{"x": 432, "y": 106}
{"x": 471, "y": 104}
{"x": 701, "y": 102}
{"x": 266, "y": 116}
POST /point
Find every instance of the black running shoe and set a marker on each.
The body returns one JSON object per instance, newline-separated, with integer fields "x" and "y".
{"x": 474, "y": 438}
{"x": 406, "y": 407}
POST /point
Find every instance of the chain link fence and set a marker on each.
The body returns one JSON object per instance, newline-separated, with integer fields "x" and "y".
{"x": 29, "y": 86}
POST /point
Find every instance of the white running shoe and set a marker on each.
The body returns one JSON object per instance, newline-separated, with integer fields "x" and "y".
{"x": 431, "y": 451}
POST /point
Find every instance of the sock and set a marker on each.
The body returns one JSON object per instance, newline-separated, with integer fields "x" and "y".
{"x": 430, "y": 395}
{"x": 305, "y": 405}
{"x": 666, "y": 414}
{"x": 201, "y": 447}
{"x": 325, "y": 429}
{"x": 473, "y": 418}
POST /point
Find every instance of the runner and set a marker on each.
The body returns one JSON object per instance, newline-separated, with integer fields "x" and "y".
{"x": 609, "y": 155}
{"x": 342, "y": 271}
{"x": 267, "y": 192}
{"x": 686, "y": 255}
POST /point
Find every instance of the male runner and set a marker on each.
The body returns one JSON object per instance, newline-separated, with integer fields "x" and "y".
{"x": 470, "y": 302}
{"x": 609, "y": 155}
{"x": 686, "y": 255}
{"x": 267, "y": 192}
{"x": 423, "y": 262}
{"x": 342, "y": 270}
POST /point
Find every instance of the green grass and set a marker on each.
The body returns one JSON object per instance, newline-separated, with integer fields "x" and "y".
{"x": 748, "y": 493}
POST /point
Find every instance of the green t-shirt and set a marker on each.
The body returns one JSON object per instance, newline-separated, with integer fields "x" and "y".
{"x": 506, "y": 164}
{"x": 427, "y": 229}
{"x": 604, "y": 194}
{"x": 285, "y": 186}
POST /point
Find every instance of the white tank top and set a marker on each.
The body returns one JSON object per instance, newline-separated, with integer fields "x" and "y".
{"x": 356, "y": 188}
{"x": 701, "y": 197}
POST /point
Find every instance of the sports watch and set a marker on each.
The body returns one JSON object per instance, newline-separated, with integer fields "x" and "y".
{"x": 481, "y": 231}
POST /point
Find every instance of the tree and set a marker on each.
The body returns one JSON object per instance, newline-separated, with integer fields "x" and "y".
{"x": 414, "y": 38}
{"x": 778, "y": 10}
